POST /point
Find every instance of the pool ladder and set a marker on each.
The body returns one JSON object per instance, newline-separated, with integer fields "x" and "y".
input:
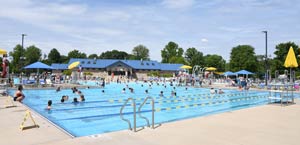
{"x": 139, "y": 114}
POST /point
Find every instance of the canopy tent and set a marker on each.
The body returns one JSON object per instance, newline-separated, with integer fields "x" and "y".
{"x": 291, "y": 61}
{"x": 38, "y": 65}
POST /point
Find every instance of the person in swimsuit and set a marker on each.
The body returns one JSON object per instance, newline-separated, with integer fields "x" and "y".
{"x": 49, "y": 105}
{"x": 19, "y": 96}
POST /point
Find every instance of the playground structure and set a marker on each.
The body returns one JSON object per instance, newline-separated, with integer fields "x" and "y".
{"x": 198, "y": 71}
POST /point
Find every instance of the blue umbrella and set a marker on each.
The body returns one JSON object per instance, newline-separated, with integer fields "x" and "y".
{"x": 244, "y": 72}
{"x": 38, "y": 65}
{"x": 229, "y": 73}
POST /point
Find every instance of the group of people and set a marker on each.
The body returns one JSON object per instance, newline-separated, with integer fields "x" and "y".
{"x": 215, "y": 91}
{"x": 65, "y": 98}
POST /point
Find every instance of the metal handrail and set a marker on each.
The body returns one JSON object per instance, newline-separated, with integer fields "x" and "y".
{"x": 147, "y": 120}
{"x": 134, "y": 114}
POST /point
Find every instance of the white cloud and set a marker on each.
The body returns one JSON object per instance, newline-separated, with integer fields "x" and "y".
{"x": 178, "y": 4}
{"x": 204, "y": 40}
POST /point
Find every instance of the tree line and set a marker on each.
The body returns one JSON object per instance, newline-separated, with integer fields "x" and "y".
{"x": 241, "y": 57}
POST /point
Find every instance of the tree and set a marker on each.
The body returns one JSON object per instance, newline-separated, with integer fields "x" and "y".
{"x": 92, "y": 56}
{"x": 76, "y": 54}
{"x": 54, "y": 56}
{"x": 194, "y": 57}
{"x": 17, "y": 63}
{"x": 32, "y": 54}
{"x": 243, "y": 57}
{"x": 175, "y": 59}
{"x": 141, "y": 52}
{"x": 64, "y": 59}
{"x": 215, "y": 61}
{"x": 114, "y": 54}
{"x": 260, "y": 71}
{"x": 281, "y": 52}
{"x": 171, "y": 52}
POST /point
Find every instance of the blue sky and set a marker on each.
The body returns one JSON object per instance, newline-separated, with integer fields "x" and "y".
{"x": 95, "y": 26}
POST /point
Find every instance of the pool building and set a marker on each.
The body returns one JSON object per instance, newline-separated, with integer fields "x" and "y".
{"x": 131, "y": 68}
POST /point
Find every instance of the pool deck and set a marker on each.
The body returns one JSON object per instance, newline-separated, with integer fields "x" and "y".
{"x": 262, "y": 125}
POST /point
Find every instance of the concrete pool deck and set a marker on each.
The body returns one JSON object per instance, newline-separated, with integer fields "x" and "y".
{"x": 262, "y": 125}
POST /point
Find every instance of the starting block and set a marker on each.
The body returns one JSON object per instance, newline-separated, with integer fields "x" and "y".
{"x": 28, "y": 115}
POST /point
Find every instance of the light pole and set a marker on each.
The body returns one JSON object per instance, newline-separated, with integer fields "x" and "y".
{"x": 23, "y": 35}
{"x": 266, "y": 57}
{"x": 21, "y": 58}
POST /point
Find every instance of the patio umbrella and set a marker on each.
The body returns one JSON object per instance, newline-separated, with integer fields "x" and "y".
{"x": 211, "y": 69}
{"x": 38, "y": 65}
{"x": 73, "y": 65}
{"x": 2, "y": 51}
{"x": 186, "y": 67}
{"x": 244, "y": 72}
{"x": 229, "y": 73}
{"x": 291, "y": 61}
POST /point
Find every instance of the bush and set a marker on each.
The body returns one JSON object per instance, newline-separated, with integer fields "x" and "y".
{"x": 67, "y": 72}
{"x": 167, "y": 75}
{"x": 153, "y": 73}
{"x": 87, "y": 73}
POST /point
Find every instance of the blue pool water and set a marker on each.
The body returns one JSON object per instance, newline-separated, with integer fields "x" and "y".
{"x": 100, "y": 112}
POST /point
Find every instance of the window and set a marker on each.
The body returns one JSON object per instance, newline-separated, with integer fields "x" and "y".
{"x": 82, "y": 62}
{"x": 88, "y": 62}
{"x": 147, "y": 63}
{"x": 94, "y": 62}
{"x": 153, "y": 63}
{"x": 142, "y": 63}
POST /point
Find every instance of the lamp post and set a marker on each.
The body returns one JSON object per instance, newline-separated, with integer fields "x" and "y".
{"x": 21, "y": 57}
{"x": 266, "y": 57}
{"x": 23, "y": 35}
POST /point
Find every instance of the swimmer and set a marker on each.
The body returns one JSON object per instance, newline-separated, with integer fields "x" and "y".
{"x": 221, "y": 91}
{"x": 161, "y": 94}
{"x": 212, "y": 91}
{"x": 82, "y": 99}
{"x": 49, "y": 105}
{"x": 57, "y": 89}
{"x": 124, "y": 91}
{"x": 64, "y": 98}
{"x": 75, "y": 100}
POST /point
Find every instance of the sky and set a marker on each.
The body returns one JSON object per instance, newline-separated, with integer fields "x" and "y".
{"x": 96, "y": 26}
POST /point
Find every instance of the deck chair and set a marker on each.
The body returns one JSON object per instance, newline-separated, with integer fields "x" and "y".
{"x": 49, "y": 83}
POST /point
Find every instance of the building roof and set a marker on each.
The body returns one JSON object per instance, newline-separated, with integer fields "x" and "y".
{"x": 143, "y": 64}
{"x": 59, "y": 66}
{"x": 170, "y": 67}
{"x": 135, "y": 64}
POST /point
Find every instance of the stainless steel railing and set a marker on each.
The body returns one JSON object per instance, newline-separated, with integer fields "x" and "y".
{"x": 134, "y": 114}
{"x": 147, "y": 120}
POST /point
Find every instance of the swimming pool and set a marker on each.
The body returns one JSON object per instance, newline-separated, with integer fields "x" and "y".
{"x": 100, "y": 113}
